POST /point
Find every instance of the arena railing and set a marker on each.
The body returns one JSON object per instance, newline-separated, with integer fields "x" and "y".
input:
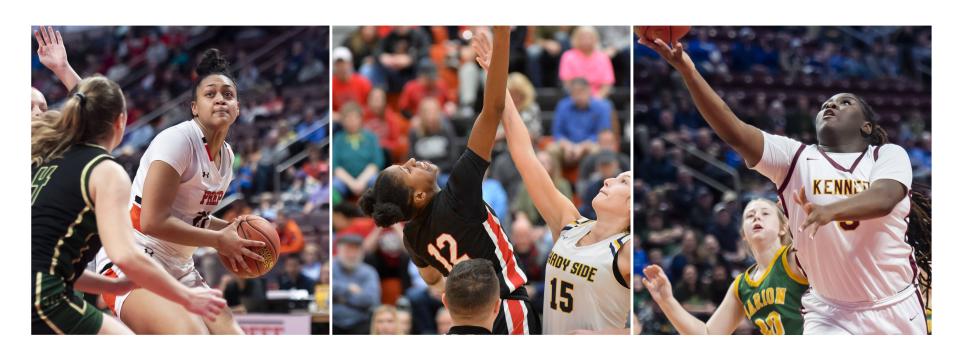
{"x": 303, "y": 154}
{"x": 692, "y": 150}
{"x": 179, "y": 100}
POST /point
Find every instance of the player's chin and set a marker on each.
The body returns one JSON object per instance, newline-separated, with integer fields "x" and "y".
{"x": 601, "y": 202}
{"x": 221, "y": 120}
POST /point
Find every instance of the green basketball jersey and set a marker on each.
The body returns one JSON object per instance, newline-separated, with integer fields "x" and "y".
{"x": 772, "y": 303}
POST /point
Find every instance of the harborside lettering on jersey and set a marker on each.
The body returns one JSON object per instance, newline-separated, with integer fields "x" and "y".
{"x": 211, "y": 198}
{"x": 842, "y": 187}
{"x": 577, "y": 269}
{"x": 764, "y": 298}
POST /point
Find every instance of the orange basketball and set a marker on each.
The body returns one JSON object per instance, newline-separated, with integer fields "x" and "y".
{"x": 257, "y": 228}
{"x": 669, "y": 34}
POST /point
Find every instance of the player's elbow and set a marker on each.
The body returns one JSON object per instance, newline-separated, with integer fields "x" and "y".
{"x": 151, "y": 225}
{"x": 887, "y": 205}
{"x": 495, "y": 108}
{"x": 125, "y": 259}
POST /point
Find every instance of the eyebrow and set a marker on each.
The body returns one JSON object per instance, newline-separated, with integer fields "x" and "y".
{"x": 215, "y": 85}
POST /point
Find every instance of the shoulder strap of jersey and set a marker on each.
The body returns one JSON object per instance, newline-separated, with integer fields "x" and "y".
{"x": 785, "y": 265}
{"x": 578, "y": 222}
{"x": 736, "y": 286}
{"x": 85, "y": 177}
{"x": 619, "y": 242}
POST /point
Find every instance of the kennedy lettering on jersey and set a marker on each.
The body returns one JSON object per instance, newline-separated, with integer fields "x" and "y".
{"x": 842, "y": 187}
{"x": 853, "y": 261}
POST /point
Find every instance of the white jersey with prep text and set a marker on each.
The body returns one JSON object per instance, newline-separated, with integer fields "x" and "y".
{"x": 858, "y": 263}
{"x": 203, "y": 183}
{"x": 584, "y": 289}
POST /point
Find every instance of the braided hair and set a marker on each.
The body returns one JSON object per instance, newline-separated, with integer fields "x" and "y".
{"x": 920, "y": 222}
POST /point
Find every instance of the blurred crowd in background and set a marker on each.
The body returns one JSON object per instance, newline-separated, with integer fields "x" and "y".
{"x": 690, "y": 186}
{"x": 279, "y": 140}
{"x": 402, "y": 92}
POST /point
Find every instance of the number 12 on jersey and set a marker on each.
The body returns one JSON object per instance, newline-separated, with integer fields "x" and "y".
{"x": 443, "y": 241}
{"x": 565, "y": 291}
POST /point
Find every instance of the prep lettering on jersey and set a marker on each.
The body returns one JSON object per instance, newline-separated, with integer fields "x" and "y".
{"x": 842, "y": 187}
{"x": 764, "y": 298}
{"x": 575, "y": 268}
{"x": 211, "y": 198}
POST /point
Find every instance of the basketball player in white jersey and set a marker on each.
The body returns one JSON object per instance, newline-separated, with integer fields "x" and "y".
{"x": 848, "y": 208}
{"x": 586, "y": 288}
{"x": 182, "y": 177}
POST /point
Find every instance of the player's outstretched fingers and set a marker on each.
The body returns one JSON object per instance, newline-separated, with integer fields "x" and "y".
{"x": 243, "y": 262}
{"x": 46, "y": 37}
{"x": 647, "y": 284}
{"x": 36, "y": 34}
{"x": 250, "y": 254}
{"x": 233, "y": 265}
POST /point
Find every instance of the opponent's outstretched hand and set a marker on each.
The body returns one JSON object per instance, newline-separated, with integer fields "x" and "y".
{"x": 53, "y": 55}
{"x": 657, "y": 283}
{"x": 481, "y": 46}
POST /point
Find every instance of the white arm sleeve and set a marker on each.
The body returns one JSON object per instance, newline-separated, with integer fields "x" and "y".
{"x": 892, "y": 163}
{"x": 778, "y": 153}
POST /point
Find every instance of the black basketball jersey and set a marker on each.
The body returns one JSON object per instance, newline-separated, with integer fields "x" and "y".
{"x": 63, "y": 224}
{"x": 458, "y": 225}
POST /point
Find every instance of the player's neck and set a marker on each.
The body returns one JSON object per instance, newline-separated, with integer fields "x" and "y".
{"x": 422, "y": 209}
{"x": 486, "y": 322}
{"x": 856, "y": 146}
{"x": 764, "y": 255}
{"x": 605, "y": 227}
{"x": 215, "y": 138}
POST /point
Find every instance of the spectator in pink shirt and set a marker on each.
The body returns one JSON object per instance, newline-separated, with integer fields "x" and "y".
{"x": 586, "y": 60}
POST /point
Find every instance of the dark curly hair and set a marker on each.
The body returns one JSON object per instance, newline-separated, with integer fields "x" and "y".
{"x": 212, "y": 63}
{"x": 388, "y": 202}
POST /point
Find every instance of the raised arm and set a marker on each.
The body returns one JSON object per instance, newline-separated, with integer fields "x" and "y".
{"x": 555, "y": 208}
{"x": 485, "y": 127}
{"x": 746, "y": 139}
{"x": 53, "y": 55}
{"x": 723, "y": 322}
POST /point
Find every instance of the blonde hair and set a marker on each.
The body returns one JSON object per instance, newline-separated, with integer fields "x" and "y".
{"x": 787, "y": 238}
{"x": 585, "y": 29}
{"x": 382, "y": 309}
{"x": 522, "y": 83}
{"x": 87, "y": 117}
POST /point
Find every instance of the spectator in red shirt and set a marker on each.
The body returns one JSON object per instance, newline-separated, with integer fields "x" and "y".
{"x": 347, "y": 85}
{"x": 427, "y": 84}
{"x": 386, "y": 124}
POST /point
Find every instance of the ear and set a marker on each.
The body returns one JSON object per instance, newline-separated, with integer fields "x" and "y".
{"x": 866, "y": 128}
{"x": 443, "y": 299}
{"x": 119, "y": 126}
{"x": 419, "y": 197}
{"x": 496, "y": 309}
{"x": 193, "y": 108}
